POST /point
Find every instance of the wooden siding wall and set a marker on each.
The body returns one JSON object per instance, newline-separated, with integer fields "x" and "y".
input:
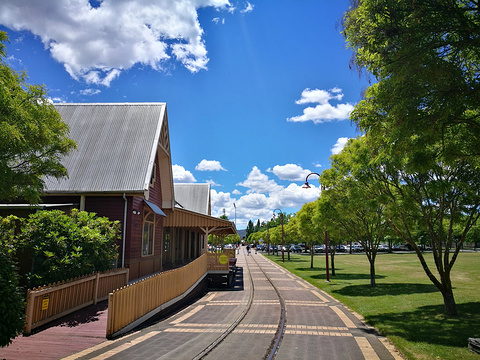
{"x": 50, "y": 302}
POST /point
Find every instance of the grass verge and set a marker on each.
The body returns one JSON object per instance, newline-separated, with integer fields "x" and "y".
{"x": 404, "y": 306}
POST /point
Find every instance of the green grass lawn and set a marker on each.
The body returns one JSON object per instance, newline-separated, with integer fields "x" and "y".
{"x": 404, "y": 306}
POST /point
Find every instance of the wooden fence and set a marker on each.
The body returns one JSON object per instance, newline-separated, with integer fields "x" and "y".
{"x": 50, "y": 302}
{"x": 132, "y": 302}
{"x": 128, "y": 305}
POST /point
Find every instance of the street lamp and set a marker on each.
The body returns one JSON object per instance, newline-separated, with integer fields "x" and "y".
{"x": 306, "y": 186}
{"x": 283, "y": 243}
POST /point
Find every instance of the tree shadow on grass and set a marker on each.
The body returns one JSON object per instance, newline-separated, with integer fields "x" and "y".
{"x": 386, "y": 289}
{"x": 344, "y": 276}
{"x": 429, "y": 324}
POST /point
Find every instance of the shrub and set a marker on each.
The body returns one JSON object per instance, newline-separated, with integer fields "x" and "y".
{"x": 66, "y": 246}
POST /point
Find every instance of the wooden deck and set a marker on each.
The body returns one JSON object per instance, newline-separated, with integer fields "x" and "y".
{"x": 68, "y": 335}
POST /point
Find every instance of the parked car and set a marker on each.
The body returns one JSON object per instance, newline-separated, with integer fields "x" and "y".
{"x": 357, "y": 248}
{"x": 382, "y": 248}
{"x": 296, "y": 248}
{"x": 319, "y": 248}
{"x": 341, "y": 248}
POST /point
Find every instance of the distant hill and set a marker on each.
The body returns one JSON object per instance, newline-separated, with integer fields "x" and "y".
{"x": 241, "y": 233}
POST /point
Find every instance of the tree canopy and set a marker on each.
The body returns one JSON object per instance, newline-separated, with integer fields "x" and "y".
{"x": 421, "y": 118}
{"x": 425, "y": 56}
{"x": 33, "y": 137}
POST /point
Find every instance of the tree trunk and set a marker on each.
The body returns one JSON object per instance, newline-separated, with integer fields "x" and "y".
{"x": 311, "y": 256}
{"x": 449, "y": 302}
{"x": 332, "y": 262}
{"x": 372, "y": 273}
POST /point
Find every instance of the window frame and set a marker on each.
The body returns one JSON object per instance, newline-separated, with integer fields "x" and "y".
{"x": 150, "y": 249}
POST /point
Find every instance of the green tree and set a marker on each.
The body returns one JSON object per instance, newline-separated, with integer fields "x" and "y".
{"x": 66, "y": 246}
{"x": 11, "y": 297}
{"x": 32, "y": 135}
{"x": 249, "y": 229}
{"x": 421, "y": 118}
{"x": 308, "y": 228}
{"x": 257, "y": 226}
{"x": 425, "y": 56}
{"x": 353, "y": 199}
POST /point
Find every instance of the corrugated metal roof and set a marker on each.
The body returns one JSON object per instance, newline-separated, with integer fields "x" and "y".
{"x": 193, "y": 197}
{"x": 116, "y": 143}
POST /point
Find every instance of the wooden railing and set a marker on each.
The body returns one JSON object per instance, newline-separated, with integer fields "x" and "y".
{"x": 132, "y": 302}
{"x": 50, "y": 302}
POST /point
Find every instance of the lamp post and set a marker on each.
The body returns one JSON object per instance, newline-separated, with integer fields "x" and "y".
{"x": 283, "y": 243}
{"x": 306, "y": 186}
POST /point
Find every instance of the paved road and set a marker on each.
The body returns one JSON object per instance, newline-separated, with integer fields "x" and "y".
{"x": 317, "y": 326}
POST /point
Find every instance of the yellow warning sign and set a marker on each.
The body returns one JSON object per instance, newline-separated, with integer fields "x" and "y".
{"x": 223, "y": 259}
{"x": 45, "y": 301}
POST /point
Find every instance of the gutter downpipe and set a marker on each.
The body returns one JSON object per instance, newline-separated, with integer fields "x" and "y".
{"x": 124, "y": 229}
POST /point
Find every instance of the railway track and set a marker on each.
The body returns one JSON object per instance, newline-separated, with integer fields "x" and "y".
{"x": 276, "y": 339}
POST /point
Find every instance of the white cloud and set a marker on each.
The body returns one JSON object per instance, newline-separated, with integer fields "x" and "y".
{"x": 90, "y": 92}
{"x": 217, "y": 20}
{"x": 290, "y": 172}
{"x": 212, "y": 183}
{"x": 263, "y": 195}
{"x": 248, "y": 8}
{"x": 180, "y": 175}
{"x": 324, "y": 111}
{"x": 209, "y": 165}
{"x": 95, "y": 44}
{"x": 339, "y": 145}
{"x": 257, "y": 182}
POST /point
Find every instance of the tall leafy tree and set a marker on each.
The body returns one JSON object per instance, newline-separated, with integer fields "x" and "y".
{"x": 421, "y": 117}
{"x": 426, "y": 58}
{"x": 249, "y": 230}
{"x": 309, "y": 229}
{"x": 33, "y": 137}
{"x": 12, "y": 300}
{"x": 353, "y": 200}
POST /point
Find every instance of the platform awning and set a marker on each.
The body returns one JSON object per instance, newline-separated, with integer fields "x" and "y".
{"x": 190, "y": 219}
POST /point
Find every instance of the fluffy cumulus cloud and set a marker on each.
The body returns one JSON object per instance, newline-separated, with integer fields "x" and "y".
{"x": 262, "y": 196}
{"x": 257, "y": 182}
{"x": 180, "y": 175}
{"x": 339, "y": 145}
{"x": 324, "y": 111}
{"x": 209, "y": 165}
{"x": 97, "y": 40}
{"x": 290, "y": 172}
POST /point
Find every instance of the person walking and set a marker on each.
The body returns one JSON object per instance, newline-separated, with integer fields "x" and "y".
{"x": 248, "y": 250}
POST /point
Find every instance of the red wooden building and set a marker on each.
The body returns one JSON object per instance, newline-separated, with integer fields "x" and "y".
{"x": 122, "y": 170}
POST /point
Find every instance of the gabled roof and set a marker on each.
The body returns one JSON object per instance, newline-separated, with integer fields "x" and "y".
{"x": 193, "y": 197}
{"x": 116, "y": 147}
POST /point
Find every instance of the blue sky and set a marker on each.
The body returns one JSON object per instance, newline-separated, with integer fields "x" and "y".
{"x": 258, "y": 93}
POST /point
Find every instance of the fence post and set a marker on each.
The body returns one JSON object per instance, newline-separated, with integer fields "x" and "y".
{"x": 95, "y": 291}
{"x": 29, "y": 312}
{"x": 110, "y": 315}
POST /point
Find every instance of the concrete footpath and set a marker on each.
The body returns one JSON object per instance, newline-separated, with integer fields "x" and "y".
{"x": 317, "y": 326}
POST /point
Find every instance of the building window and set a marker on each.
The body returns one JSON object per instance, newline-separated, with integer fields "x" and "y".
{"x": 148, "y": 234}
